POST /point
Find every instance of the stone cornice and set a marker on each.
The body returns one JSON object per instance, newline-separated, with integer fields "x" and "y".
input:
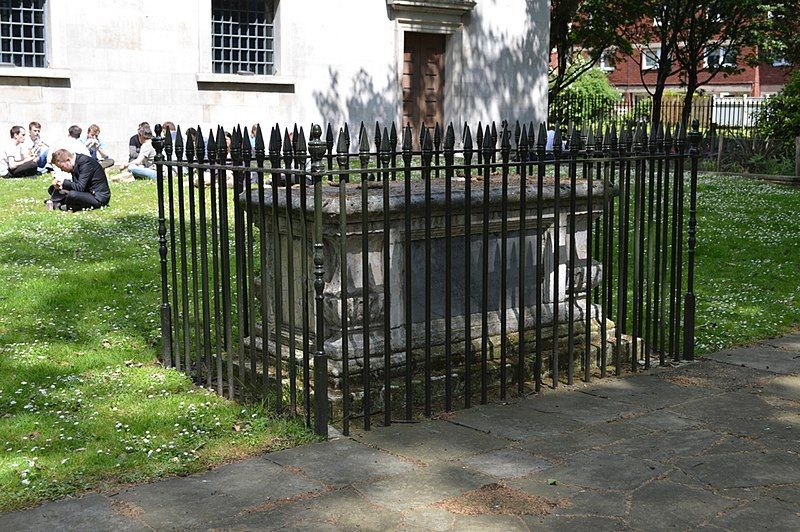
{"x": 447, "y": 7}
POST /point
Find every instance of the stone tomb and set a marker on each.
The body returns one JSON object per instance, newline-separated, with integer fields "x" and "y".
{"x": 335, "y": 304}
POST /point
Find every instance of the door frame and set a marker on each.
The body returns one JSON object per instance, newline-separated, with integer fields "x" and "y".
{"x": 453, "y": 54}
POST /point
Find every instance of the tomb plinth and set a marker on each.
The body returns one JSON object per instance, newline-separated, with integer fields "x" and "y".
{"x": 349, "y": 299}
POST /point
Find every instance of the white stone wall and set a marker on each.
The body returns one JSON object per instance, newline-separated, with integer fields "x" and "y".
{"x": 118, "y": 62}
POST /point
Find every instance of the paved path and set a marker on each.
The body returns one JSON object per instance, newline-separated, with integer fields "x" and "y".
{"x": 713, "y": 444}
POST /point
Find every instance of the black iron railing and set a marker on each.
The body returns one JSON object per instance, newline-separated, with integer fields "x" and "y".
{"x": 389, "y": 283}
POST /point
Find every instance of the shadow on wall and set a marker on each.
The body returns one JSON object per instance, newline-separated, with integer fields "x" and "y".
{"x": 364, "y": 102}
{"x": 503, "y": 76}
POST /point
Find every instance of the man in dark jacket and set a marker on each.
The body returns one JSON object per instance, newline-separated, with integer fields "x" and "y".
{"x": 88, "y": 188}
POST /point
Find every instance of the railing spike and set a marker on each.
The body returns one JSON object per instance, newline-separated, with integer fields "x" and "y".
{"x": 341, "y": 144}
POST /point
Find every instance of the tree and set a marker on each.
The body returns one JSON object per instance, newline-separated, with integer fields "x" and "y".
{"x": 656, "y": 32}
{"x": 782, "y": 39}
{"x": 580, "y": 31}
{"x": 586, "y": 99}
{"x": 779, "y": 119}
{"x": 718, "y": 37}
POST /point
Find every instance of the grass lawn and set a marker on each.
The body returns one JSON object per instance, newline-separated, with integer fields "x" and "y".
{"x": 748, "y": 255}
{"x": 83, "y": 402}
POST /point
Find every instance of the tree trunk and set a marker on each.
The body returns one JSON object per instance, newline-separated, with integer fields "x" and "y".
{"x": 691, "y": 88}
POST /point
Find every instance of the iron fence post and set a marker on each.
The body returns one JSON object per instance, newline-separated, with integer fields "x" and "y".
{"x": 689, "y": 300}
{"x": 166, "y": 325}
{"x": 317, "y": 149}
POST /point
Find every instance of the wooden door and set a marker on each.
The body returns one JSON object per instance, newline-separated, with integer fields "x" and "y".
{"x": 423, "y": 80}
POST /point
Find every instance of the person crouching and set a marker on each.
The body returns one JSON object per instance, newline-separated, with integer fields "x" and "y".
{"x": 88, "y": 188}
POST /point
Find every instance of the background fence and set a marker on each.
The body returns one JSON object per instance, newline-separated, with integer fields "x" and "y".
{"x": 388, "y": 282}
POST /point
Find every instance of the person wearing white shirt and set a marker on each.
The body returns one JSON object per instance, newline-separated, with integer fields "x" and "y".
{"x": 15, "y": 160}
{"x": 73, "y": 145}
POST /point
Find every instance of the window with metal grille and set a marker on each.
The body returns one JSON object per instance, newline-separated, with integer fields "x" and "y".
{"x": 243, "y": 36}
{"x": 22, "y": 37}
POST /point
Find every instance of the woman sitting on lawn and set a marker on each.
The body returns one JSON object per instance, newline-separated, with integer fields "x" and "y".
{"x": 143, "y": 166}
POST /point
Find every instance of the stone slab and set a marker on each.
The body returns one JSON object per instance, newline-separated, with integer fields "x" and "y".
{"x": 561, "y": 446}
{"x": 666, "y": 446}
{"x": 517, "y": 421}
{"x": 739, "y": 405}
{"x": 584, "y": 407}
{"x": 663, "y": 420}
{"x": 92, "y": 512}
{"x": 343, "y": 509}
{"x": 762, "y": 514}
{"x": 647, "y": 391}
{"x": 596, "y": 503}
{"x": 712, "y": 375}
{"x": 789, "y": 342}
{"x": 423, "y": 487}
{"x": 506, "y": 463}
{"x": 429, "y": 442}
{"x": 218, "y": 496}
{"x": 764, "y": 358}
{"x": 570, "y": 524}
{"x": 679, "y": 507}
{"x": 600, "y": 470}
{"x": 353, "y": 462}
{"x": 742, "y": 469}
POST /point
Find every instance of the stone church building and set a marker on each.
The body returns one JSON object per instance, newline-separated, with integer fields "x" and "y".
{"x": 119, "y": 62}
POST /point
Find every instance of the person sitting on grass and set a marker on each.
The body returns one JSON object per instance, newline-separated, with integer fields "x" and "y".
{"x": 143, "y": 166}
{"x": 97, "y": 148}
{"x": 135, "y": 143}
{"x": 36, "y": 145}
{"x": 15, "y": 161}
{"x": 88, "y": 187}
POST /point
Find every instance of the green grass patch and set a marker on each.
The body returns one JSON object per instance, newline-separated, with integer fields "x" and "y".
{"x": 83, "y": 402}
{"x": 748, "y": 252}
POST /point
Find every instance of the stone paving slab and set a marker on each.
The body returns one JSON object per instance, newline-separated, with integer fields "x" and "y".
{"x": 355, "y": 462}
{"x": 216, "y": 497}
{"x": 518, "y": 421}
{"x": 429, "y": 442}
{"x": 761, "y": 357}
{"x": 92, "y": 512}
{"x": 712, "y": 445}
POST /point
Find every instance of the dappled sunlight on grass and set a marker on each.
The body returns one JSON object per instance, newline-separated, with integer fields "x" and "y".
{"x": 83, "y": 402}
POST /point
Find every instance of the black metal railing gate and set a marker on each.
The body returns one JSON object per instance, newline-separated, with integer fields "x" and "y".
{"x": 390, "y": 283}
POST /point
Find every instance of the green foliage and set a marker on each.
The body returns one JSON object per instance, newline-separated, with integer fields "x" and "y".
{"x": 587, "y": 99}
{"x": 779, "y": 118}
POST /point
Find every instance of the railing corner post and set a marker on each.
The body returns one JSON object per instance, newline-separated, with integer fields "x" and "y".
{"x": 317, "y": 149}
{"x": 690, "y": 300}
{"x": 166, "y": 325}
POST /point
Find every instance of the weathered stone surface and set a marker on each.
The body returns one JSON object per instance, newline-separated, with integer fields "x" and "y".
{"x": 497, "y": 523}
{"x": 506, "y": 463}
{"x": 596, "y": 503}
{"x": 583, "y": 407}
{"x": 517, "y": 421}
{"x": 664, "y": 420}
{"x": 790, "y": 342}
{"x": 354, "y": 463}
{"x": 734, "y": 405}
{"x": 343, "y": 509}
{"x": 743, "y": 469}
{"x": 714, "y": 376}
{"x": 647, "y": 391}
{"x": 429, "y": 442}
{"x": 570, "y": 524}
{"x": 664, "y": 446}
{"x": 423, "y": 487}
{"x": 604, "y": 471}
{"x": 762, "y": 514}
{"x": 217, "y": 496}
{"x": 764, "y": 358}
{"x": 92, "y": 512}
{"x": 600, "y": 435}
{"x": 679, "y": 507}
